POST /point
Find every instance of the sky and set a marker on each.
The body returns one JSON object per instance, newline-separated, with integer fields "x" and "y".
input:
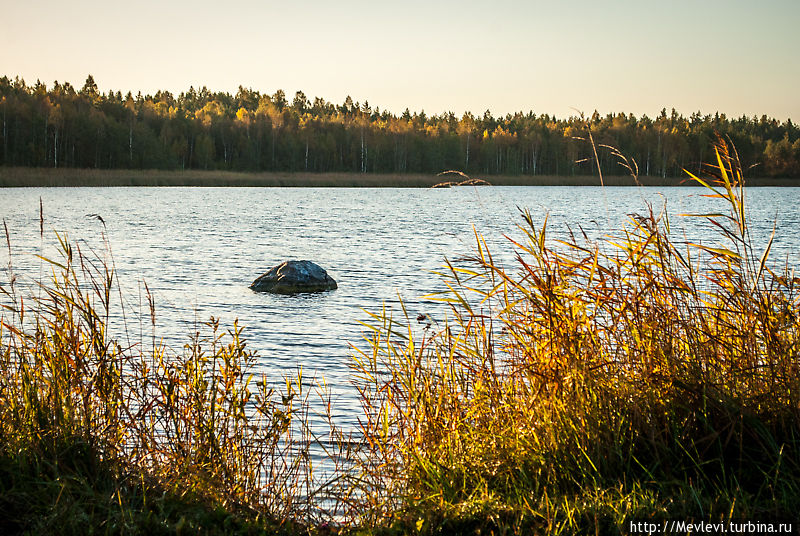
{"x": 555, "y": 57}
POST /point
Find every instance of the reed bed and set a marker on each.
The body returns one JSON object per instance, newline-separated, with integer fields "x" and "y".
{"x": 593, "y": 383}
{"x": 67, "y": 177}
{"x": 100, "y": 437}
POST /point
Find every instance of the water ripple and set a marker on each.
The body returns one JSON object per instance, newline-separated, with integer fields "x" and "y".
{"x": 198, "y": 249}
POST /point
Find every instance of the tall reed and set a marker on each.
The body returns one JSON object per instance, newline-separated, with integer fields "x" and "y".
{"x": 139, "y": 422}
{"x": 594, "y": 382}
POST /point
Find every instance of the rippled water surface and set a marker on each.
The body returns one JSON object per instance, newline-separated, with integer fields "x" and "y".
{"x": 198, "y": 249}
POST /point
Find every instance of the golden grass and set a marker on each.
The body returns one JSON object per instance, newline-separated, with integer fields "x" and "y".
{"x": 595, "y": 382}
{"x": 197, "y": 422}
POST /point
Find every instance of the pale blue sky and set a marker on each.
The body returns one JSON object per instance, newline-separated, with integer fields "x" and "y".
{"x": 736, "y": 57}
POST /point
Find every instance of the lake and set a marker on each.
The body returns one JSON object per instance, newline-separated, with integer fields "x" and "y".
{"x": 198, "y": 249}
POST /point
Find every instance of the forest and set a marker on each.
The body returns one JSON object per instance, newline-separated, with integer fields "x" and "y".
{"x": 62, "y": 126}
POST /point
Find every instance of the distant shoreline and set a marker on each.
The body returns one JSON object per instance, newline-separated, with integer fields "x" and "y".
{"x": 20, "y": 177}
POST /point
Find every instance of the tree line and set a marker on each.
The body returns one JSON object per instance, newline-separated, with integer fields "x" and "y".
{"x": 62, "y": 126}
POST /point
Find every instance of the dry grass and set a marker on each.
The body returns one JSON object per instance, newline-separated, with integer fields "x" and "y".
{"x": 595, "y": 382}
{"x": 138, "y": 423}
{"x": 18, "y": 177}
{"x": 634, "y": 377}
{"x": 27, "y": 177}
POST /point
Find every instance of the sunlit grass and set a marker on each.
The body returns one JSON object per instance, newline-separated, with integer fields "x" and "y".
{"x": 149, "y": 427}
{"x": 593, "y": 382}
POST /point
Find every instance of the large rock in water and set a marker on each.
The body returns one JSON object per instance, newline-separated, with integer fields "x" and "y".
{"x": 294, "y": 277}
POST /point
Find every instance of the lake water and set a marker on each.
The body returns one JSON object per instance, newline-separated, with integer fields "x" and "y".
{"x": 198, "y": 249}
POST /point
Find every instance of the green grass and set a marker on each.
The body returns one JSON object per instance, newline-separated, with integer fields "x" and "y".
{"x": 594, "y": 382}
{"x": 70, "y": 489}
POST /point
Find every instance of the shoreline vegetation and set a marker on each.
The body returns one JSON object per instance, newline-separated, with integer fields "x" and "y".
{"x": 66, "y": 126}
{"x": 590, "y": 386}
{"x": 24, "y": 177}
